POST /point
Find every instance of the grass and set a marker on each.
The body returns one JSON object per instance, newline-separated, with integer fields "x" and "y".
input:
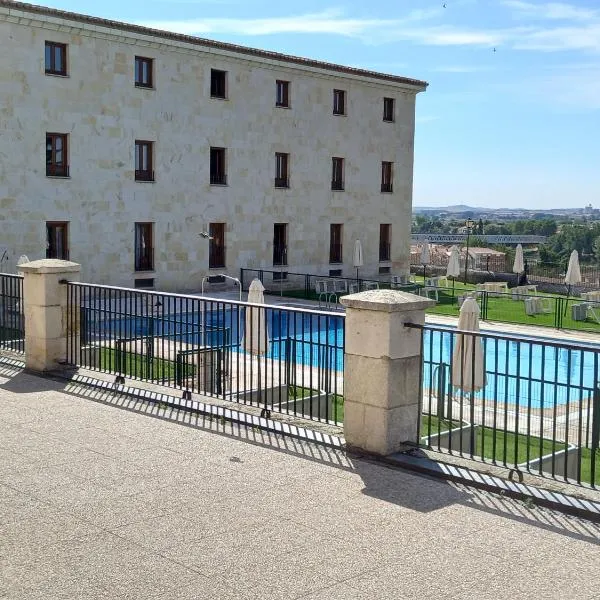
{"x": 136, "y": 366}
{"x": 586, "y": 465}
{"x": 336, "y": 412}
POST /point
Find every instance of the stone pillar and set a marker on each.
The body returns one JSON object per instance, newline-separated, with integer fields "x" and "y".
{"x": 45, "y": 308}
{"x": 382, "y": 367}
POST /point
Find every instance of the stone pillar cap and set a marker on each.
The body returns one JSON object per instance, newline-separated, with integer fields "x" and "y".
{"x": 50, "y": 265}
{"x": 386, "y": 301}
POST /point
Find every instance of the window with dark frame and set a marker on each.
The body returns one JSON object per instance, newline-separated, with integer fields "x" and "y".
{"x": 282, "y": 93}
{"x": 385, "y": 242}
{"x": 56, "y": 155}
{"x": 218, "y": 173}
{"x": 218, "y": 83}
{"x": 143, "y": 160}
{"x": 387, "y": 176}
{"x": 144, "y": 72}
{"x": 216, "y": 248}
{"x": 57, "y": 240}
{"x": 56, "y": 58}
{"x": 144, "y": 246}
{"x": 337, "y": 173}
{"x": 339, "y": 102}
{"x": 388, "y": 109}
{"x": 335, "y": 243}
{"x": 280, "y": 244}
{"x": 282, "y": 170}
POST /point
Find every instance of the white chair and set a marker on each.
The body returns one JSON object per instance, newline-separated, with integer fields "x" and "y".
{"x": 428, "y": 292}
{"x": 370, "y": 285}
{"x": 340, "y": 286}
{"x": 354, "y": 288}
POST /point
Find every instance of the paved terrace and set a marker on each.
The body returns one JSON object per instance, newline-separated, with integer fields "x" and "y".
{"x": 108, "y": 497}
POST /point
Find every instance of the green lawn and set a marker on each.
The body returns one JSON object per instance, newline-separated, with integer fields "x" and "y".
{"x": 337, "y": 401}
{"x": 136, "y": 366}
{"x": 586, "y": 465}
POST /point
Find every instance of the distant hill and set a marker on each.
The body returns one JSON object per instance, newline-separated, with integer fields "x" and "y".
{"x": 463, "y": 208}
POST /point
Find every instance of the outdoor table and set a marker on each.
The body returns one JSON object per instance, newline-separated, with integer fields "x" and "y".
{"x": 591, "y": 296}
{"x": 439, "y": 281}
{"x": 537, "y": 304}
{"x": 495, "y": 287}
{"x": 521, "y": 291}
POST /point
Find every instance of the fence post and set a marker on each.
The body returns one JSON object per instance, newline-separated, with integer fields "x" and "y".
{"x": 45, "y": 307}
{"x": 382, "y": 369}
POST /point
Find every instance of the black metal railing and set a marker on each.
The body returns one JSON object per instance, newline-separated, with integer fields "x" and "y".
{"x": 57, "y": 170}
{"x": 335, "y": 253}
{"x": 387, "y": 187}
{"x": 385, "y": 251}
{"x": 337, "y": 185}
{"x": 144, "y": 175}
{"x": 12, "y": 318}
{"x": 282, "y": 182}
{"x": 275, "y": 358}
{"x": 218, "y": 179}
{"x": 527, "y": 404}
{"x": 144, "y": 259}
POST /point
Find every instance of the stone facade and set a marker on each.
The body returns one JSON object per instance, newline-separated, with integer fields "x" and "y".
{"x": 103, "y": 113}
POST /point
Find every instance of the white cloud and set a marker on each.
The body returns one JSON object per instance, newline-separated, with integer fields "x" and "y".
{"x": 552, "y": 11}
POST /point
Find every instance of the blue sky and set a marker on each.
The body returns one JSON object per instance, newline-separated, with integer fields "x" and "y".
{"x": 514, "y": 127}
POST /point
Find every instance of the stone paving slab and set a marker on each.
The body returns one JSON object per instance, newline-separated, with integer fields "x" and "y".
{"x": 98, "y": 501}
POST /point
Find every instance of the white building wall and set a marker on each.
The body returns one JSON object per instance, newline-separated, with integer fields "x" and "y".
{"x": 104, "y": 113}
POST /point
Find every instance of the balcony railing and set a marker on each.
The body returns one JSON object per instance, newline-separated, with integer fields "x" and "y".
{"x": 144, "y": 259}
{"x": 387, "y": 187}
{"x": 282, "y": 182}
{"x": 279, "y": 254}
{"x": 53, "y": 253}
{"x": 218, "y": 179}
{"x": 384, "y": 252}
{"x": 337, "y": 185}
{"x": 54, "y": 170}
{"x": 335, "y": 253}
{"x": 144, "y": 175}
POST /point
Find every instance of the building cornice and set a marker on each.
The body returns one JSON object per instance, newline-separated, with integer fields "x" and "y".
{"x": 60, "y": 20}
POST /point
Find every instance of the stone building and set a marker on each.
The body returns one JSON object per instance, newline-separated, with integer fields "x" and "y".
{"x": 121, "y": 145}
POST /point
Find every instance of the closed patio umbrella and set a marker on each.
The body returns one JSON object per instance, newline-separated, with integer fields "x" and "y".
{"x": 256, "y": 336}
{"x": 573, "y": 276}
{"x": 425, "y": 257}
{"x": 453, "y": 269}
{"x": 358, "y": 256}
{"x": 519, "y": 264}
{"x": 468, "y": 369}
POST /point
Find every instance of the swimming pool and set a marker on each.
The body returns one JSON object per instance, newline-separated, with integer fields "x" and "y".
{"x": 525, "y": 372}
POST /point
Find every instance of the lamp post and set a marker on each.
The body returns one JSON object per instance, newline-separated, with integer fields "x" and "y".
{"x": 469, "y": 226}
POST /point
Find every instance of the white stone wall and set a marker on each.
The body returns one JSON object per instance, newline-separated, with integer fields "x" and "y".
{"x": 104, "y": 113}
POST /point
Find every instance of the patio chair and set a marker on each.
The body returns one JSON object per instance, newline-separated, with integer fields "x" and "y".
{"x": 593, "y": 312}
{"x": 340, "y": 286}
{"x": 354, "y": 287}
{"x": 370, "y": 285}
{"x": 428, "y": 291}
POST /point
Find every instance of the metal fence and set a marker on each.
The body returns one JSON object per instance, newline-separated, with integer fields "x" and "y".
{"x": 12, "y": 319}
{"x": 275, "y": 358}
{"x": 554, "y": 273}
{"x": 538, "y": 409}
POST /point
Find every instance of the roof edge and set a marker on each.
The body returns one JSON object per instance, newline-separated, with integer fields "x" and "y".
{"x": 198, "y": 41}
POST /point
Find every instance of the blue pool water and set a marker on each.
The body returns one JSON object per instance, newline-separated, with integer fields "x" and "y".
{"x": 524, "y": 372}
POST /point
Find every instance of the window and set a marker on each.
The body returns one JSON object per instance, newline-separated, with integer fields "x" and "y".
{"x": 335, "y": 272}
{"x": 143, "y": 72}
{"x": 57, "y": 240}
{"x": 216, "y": 249}
{"x": 283, "y": 94}
{"x": 144, "y": 247}
{"x": 280, "y": 244}
{"x": 218, "y": 175}
{"x": 335, "y": 243}
{"x": 339, "y": 102}
{"x": 388, "y": 109}
{"x": 385, "y": 242}
{"x": 56, "y": 155}
{"x": 384, "y": 270}
{"x": 282, "y": 170}
{"x": 387, "y": 176}
{"x": 337, "y": 173}
{"x": 143, "y": 161}
{"x": 56, "y": 58}
{"x": 218, "y": 83}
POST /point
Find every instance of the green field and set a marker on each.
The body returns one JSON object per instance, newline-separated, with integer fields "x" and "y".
{"x": 136, "y": 366}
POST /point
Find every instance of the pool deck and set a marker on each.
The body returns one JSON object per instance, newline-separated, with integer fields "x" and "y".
{"x": 102, "y": 499}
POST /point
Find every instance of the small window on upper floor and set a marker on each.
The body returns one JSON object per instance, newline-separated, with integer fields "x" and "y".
{"x": 283, "y": 94}
{"x": 144, "y": 151}
{"x": 218, "y": 166}
{"x": 339, "y": 102}
{"x": 56, "y": 58}
{"x": 388, "y": 109}
{"x": 218, "y": 83}
{"x": 144, "y": 72}
{"x": 57, "y": 164}
{"x": 387, "y": 176}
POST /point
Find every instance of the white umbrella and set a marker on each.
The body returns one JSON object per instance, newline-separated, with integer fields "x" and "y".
{"x": 519, "y": 264}
{"x": 358, "y": 256}
{"x": 573, "y": 276}
{"x": 453, "y": 269}
{"x": 467, "y": 359}
{"x": 256, "y": 336}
